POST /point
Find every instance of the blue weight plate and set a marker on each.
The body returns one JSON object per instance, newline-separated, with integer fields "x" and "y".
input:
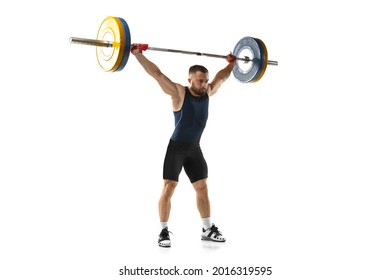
{"x": 126, "y": 52}
{"x": 249, "y": 72}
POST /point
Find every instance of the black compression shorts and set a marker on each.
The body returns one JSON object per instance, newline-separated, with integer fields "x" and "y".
{"x": 185, "y": 155}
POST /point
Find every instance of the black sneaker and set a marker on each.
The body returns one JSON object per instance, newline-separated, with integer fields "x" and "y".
{"x": 164, "y": 240}
{"x": 212, "y": 234}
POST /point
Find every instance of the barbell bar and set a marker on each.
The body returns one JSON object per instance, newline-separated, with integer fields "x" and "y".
{"x": 114, "y": 36}
{"x": 109, "y": 44}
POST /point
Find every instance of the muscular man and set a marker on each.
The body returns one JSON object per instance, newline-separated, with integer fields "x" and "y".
{"x": 190, "y": 108}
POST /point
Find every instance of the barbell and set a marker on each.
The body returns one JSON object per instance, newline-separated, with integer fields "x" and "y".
{"x": 113, "y": 48}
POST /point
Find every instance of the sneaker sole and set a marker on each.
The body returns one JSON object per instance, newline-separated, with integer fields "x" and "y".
{"x": 205, "y": 238}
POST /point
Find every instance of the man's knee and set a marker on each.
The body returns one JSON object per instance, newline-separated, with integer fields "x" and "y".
{"x": 201, "y": 185}
{"x": 169, "y": 188}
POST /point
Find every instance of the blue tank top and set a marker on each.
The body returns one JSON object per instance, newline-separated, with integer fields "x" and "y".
{"x": 191, "y": 119}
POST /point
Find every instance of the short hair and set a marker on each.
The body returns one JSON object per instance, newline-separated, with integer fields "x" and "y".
{"x": 195, "y": 68}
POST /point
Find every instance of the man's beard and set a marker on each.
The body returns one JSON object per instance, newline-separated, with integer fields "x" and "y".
{"x": 200, "y": 92}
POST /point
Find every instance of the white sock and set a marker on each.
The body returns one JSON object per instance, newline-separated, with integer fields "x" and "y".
{"x": 164, "y": 225}
{"x": 206, "y": 223}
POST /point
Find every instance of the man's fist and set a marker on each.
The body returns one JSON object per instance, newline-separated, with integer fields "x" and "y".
{"x": 138, "y": 48}
{"x": 230, "y": 58}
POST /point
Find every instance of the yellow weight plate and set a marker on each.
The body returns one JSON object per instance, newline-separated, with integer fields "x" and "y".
{"x": 264, "y": 53}
{"x": 112, "y": 30}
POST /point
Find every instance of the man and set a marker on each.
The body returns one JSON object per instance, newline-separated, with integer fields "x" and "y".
{"x": 190, "y": 108}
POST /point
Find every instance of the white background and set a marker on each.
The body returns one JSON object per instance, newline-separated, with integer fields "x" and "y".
{"x": 298, "y": 162}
